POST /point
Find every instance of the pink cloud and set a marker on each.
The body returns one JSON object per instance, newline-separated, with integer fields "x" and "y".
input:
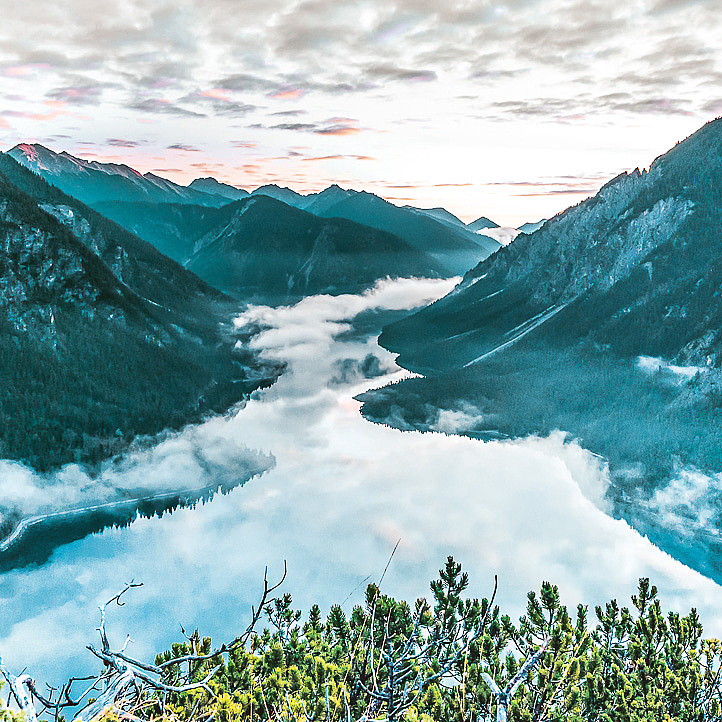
{"x": 218, "y": 93}
{"x": 57, "y": 109}
{"x": 338, "y": 130}
{"x": 19, "y": 71}
{"x": 287, "y": 94}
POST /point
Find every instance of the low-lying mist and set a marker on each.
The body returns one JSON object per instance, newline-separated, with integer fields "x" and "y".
{"x": 343, "y": 491}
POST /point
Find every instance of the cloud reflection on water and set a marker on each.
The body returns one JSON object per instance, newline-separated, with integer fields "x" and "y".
{"x": 342, "y": 492}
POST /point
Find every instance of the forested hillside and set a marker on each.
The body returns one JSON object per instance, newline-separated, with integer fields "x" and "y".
{"x": 94, "y": 323}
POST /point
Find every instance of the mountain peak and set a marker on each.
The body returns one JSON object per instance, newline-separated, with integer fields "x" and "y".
{"x": 481, "y": 223}
{"x": 33, "y": 155}
{"x": 92, "y": 181}
{"x": 209, "y": 184}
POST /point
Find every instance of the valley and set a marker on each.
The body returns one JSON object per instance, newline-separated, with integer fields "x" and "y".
{"x": 552, "y": 332}
{"x": 528, "y": 509}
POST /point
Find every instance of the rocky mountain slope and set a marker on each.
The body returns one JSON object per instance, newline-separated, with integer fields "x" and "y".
{"x": 94, "y": 323}
{"x": 636, "y": 268}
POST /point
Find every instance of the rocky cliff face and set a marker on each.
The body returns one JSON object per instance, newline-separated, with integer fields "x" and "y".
{"x": 94, "y": 325}
{"x": 636, "y": 268}
{"x": 43, "y": 266}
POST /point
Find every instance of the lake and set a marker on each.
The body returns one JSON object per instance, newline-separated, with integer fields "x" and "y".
{"x": 338, "y": 495}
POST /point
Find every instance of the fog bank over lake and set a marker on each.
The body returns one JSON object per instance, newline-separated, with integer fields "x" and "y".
{"x": 341, "y": 493}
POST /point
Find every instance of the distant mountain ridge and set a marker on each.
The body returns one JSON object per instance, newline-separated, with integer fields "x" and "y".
{"x": 531, "y": 227}
{"x": 435, "y": 231}
{"x": 440, "y": 214}
{"x": 261, "y": 247}
{"x": 456, "y": 248}
{"x": 213, "y": 187}
{"x": 94, "y": 182}
{"x": 142, "y": 204}
{"x": 481, "y": 223}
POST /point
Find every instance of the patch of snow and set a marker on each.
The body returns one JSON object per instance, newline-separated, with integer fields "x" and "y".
{"x": 652, "y": 365}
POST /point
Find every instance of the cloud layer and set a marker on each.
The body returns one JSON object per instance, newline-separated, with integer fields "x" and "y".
{"x": 401, "y": 78}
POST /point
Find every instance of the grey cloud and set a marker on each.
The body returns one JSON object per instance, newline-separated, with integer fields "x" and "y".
{"x": 290, "y": 113}
{"x": 385, "y": 72}
{"x": 230, "y": 108}
{"x": 713, "y": 106}
{"x": 311, "y": 127}
{"x": 245, "y": 82}
{"x": 81, "y": 93}
{"x": 155, "y": 105}
{"x": 656, "y": 106}
{"x": 184, "y": 147}
{"x": 217, "y": 105}
{"x": 123, "y": 143}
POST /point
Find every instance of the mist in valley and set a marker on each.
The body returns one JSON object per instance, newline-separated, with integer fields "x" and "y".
{"x": 341, "y": 493}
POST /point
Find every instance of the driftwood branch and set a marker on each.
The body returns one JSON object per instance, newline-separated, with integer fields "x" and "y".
{"x": 124, "y": 678}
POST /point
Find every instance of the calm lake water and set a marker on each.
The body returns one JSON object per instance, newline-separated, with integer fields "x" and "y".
{"x": 340, "y": 495}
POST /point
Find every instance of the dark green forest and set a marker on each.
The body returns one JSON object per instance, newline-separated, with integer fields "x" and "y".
{"x": 85, "y": 392}
{"x": 102, "y": 338}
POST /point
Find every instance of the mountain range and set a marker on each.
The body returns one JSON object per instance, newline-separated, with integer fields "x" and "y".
{"x": 261, "y": 248}
{"x": 140, "y": 203}
{"x": 94, "y": 322}
{"x": 113, "y": 281}
{"x": 454, "y": 247}
{"x": 605, "y": 322}
{"x": 94, "y": 182}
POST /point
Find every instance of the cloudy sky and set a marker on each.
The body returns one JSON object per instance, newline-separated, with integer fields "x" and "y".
{"x": 512, "y": 109}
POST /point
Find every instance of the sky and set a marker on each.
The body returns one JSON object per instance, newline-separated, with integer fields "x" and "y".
{"x": 513, "y": 110}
